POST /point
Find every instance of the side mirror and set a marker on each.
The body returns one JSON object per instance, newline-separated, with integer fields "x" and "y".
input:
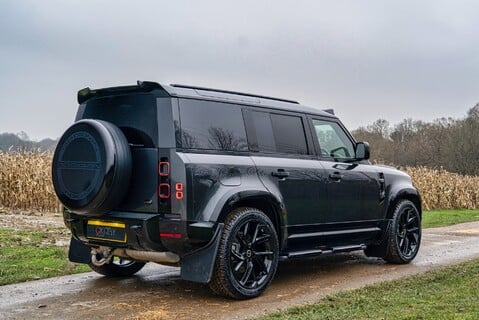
{"x": 362, "y": 151}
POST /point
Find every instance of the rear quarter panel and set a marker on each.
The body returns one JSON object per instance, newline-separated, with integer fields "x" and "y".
{"x": 214, "y": 179}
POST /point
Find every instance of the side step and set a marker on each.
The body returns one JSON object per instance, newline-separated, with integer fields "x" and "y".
{"x": 317, "y": 252}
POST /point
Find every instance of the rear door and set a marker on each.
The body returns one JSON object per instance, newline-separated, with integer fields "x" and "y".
{"x": 136, "y": 115}
{"x": 282, "y": 153}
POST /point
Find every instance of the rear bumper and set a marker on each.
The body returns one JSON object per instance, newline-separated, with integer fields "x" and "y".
{"x": 146, "y": 232}
{"x": 142, "y": 230}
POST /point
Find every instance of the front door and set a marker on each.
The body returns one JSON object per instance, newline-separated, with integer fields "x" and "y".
{"x": 353, "y": 188}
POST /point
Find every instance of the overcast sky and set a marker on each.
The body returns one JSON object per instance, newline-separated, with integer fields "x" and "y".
{"x": 365, "y": 59}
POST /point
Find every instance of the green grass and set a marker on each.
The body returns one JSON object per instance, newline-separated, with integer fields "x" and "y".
{"x": 23, "y": 257}
{"x": 449, "y": 293}
{"x": 442, "y": 218}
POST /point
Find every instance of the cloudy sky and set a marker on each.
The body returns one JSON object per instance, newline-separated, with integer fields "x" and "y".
{"x": 365, "y": 59}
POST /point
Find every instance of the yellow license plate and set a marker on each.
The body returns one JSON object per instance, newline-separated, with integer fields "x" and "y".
{"x": 106, "y": 231}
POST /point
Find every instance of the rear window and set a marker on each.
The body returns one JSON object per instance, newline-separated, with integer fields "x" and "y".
{"x": 212, "y": 125}
{"x": 134, "y": 114}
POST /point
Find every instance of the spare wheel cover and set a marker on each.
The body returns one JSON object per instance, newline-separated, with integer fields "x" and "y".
{"x": 91, "y": 167}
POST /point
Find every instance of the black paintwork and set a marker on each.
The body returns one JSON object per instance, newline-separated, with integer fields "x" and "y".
{"x": 318, "y": 204}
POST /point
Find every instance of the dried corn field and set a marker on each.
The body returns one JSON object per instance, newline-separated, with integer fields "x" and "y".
{"x": 444, "y": 190}
{"x": 25, "y": 184}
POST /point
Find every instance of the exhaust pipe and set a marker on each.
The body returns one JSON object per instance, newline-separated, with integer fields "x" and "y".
{"x": 103, "y": 255}
{"x": 168, "y": 258}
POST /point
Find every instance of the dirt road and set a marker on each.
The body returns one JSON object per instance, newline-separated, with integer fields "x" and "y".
{"x": 157, "y": 292}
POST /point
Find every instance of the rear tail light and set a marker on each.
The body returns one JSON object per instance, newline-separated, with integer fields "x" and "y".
{"x": 179, "y": 191}
{"x": 164, "y": 188}
{"x": 164, "y": 191}
{"x": 164, "y": 169}
{"x": 171, "y": 235}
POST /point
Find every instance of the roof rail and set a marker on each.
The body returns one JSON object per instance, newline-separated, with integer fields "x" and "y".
{"x": 232, "y": 92}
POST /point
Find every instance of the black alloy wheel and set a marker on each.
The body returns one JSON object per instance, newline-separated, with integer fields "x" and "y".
{"x": 405, "y": 233}
{"x": 251, "y": 255}
{"x": 408, "y": 232}
{"x": 248, "y": 255}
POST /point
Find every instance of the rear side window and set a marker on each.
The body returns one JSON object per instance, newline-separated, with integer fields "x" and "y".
{"x": 212, "y": 125}
{"x": 264, "y": 131}
{"x": 134, "y": 114}
{"x": 279, "y": 133}
{"x": 289, "y": 134}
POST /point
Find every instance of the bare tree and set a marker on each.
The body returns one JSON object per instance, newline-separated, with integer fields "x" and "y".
{"x": 446, "y": 142}
{"x": 225, "y": 139}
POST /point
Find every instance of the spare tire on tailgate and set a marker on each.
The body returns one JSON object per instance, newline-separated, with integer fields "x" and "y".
{"x": 91, "y": 167}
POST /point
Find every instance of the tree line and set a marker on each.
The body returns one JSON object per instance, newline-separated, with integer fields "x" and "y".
{"x": 21, "y": 141}
{"x": 452, "y": 144}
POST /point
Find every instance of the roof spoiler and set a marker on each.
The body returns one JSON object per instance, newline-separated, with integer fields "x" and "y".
{"x": 143, "y": 86}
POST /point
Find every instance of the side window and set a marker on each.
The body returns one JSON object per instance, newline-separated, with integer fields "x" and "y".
{"x": 279, "y": 133}
{"x": 333, "y": 141}
{"x": 264, "y": 131}
{"x": 289, "y": 134}
{"x": 212, "y": 125}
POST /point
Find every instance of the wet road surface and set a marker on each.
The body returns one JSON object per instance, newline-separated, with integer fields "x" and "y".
{"x": 157, "y": 292}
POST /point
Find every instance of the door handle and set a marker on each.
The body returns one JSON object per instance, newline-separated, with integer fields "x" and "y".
{"x": 280, "y": 173}
{"x": 336, "y": 176}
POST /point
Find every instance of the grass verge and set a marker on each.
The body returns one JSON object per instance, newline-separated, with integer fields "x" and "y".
{"x": 24, "y": 255}
{"x": 442, "y": 218}
{"x": 449, "y": 293}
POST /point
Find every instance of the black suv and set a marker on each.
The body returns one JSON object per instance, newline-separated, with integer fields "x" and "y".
{"x": 223, "y": 184}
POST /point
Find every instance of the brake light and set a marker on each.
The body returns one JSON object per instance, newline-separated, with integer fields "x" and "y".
{"x": 171, "y": 235}
{"x": 164, "y": 191}
{"x": 164, "y": 169}
{"x": 164, "y": 188}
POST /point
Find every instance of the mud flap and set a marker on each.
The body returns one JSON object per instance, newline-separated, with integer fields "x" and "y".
{"x": 198, "y": 266}
{"x": 79, "y": 252}
{"x": 380, "y": 250}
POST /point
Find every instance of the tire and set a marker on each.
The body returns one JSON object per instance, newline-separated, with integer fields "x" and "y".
{"x": 247, "y": 256}
{"x": 91, "y": 167}
{"x": 404, "y": 236}
{"x": 118, "y": 267}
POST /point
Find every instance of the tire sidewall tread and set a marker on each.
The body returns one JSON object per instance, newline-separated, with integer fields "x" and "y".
{"x": 221, "y": 282}
{"x": 114, "y": 270}
{"x": 393, "y": 253}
